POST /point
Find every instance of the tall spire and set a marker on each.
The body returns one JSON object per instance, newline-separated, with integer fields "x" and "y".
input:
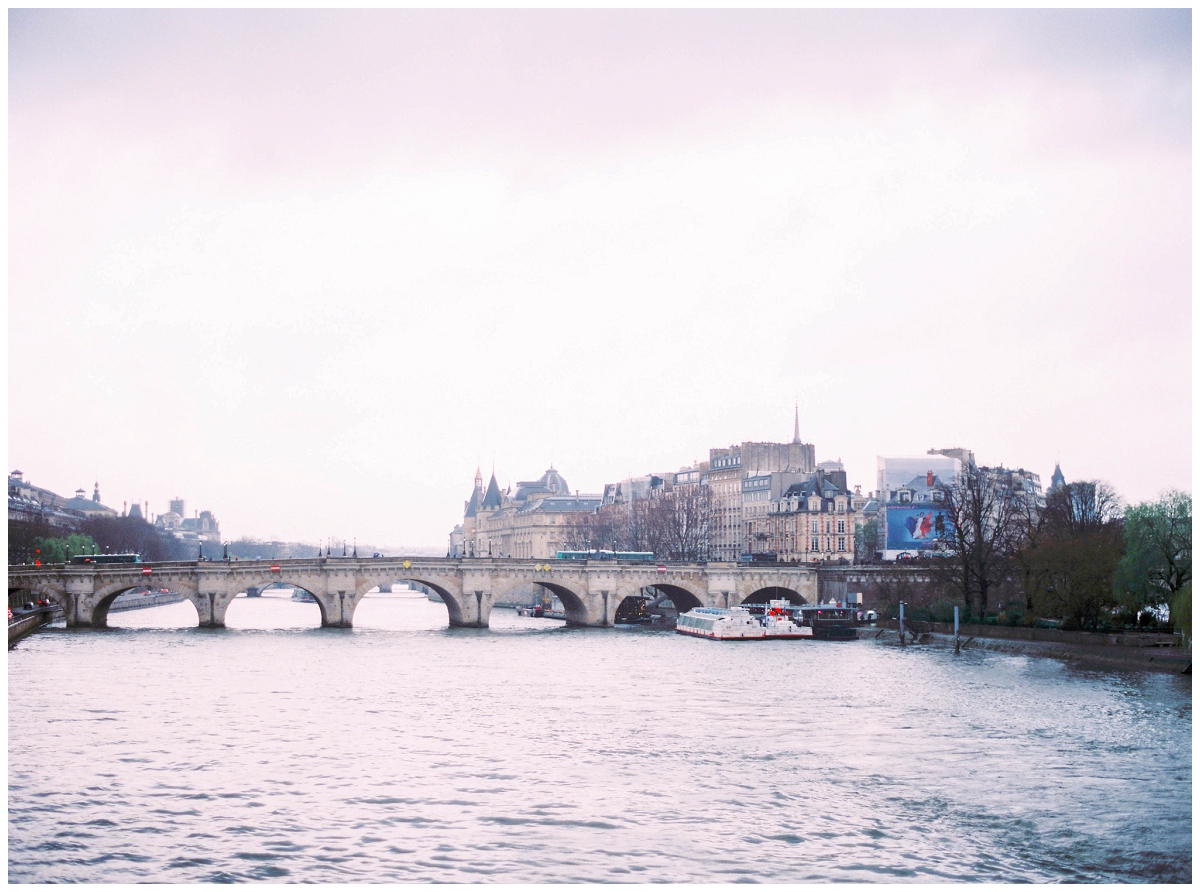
{"x": 478, "y": 478}
{"x": 796, "y": 433}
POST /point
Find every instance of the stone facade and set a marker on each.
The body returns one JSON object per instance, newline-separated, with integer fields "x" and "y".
{"x": 812, "y": 521}
{"x": 531, "y": 522}
{"x": 727, "y": 471}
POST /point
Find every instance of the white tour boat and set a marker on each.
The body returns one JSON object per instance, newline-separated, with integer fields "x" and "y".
{"x": 778, "y": 622}
{"x": 721, "y": 624}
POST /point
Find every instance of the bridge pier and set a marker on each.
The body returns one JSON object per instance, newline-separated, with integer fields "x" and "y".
{"x": 474, "y": 608}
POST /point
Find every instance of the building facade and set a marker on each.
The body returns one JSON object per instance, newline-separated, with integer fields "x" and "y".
{"x": 911, "y": 515}
{"x": 533, "y": 521}
{"x": 33, "y": 504}
{"x": 729, "y": 469}
{"x": 813, "y": 520}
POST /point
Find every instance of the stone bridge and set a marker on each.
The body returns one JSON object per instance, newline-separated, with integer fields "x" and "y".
{"x": 590, "y": 591}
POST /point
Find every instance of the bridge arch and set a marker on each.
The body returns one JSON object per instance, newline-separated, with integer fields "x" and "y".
{"x": 102, "y": 598}
{"x": 38, "y": 590}
{"x": 574, "y": 604}
{"x": 774, "y": 593}
{"x": 452, "y": 600}
{"x": 218, "y": 604}
{"x": 655, "y": 592}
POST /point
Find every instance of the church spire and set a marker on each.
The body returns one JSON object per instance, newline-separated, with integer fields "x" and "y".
{"x": 796, "y": 433}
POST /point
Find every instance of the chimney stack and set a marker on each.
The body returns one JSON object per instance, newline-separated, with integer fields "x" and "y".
{"x": 929, "y": 478}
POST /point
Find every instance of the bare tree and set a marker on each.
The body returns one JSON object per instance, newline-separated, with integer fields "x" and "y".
{"x": 985, "y": 514}
{"x": 1070, "y": 554}
{"x": 683, "y": 519}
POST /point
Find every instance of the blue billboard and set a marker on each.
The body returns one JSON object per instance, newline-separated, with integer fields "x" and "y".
{"x": 917, "y": 529}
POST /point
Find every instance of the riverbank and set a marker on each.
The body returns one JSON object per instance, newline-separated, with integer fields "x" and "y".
{"x": 140, "y": 600}
{"x": 26, "y": 623}
{"x": 1084, "y": 650}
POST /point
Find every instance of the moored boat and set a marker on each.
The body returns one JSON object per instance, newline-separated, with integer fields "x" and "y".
{"x": 829, "y": 622}
{"x": 778, "y": 622}
{"x": 720, "y": 624}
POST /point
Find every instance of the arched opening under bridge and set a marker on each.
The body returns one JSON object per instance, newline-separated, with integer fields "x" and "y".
{"x": 774, "y": 593}
{"x": 277, "y": 605}
{"x": 656, "y": 605}
{"x": 136, "y": 608}
{"x": 404, "y": 604}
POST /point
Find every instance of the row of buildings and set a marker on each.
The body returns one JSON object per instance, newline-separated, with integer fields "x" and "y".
{"x": 762, "y": 501}
{"x": 28, "y": 503}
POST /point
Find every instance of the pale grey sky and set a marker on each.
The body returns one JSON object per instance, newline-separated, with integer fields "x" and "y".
{"x": 307, "y": 269}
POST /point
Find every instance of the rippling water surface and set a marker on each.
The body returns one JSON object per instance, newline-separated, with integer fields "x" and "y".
{"x": 405, "y": 750}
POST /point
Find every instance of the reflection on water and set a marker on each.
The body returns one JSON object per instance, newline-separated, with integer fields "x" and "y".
{"x": 403, "y": 750}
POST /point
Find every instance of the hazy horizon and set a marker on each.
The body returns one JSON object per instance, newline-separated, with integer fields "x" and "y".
{"x": 309, "y": 269}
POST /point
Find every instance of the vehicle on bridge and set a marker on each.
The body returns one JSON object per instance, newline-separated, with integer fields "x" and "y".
{"x": 602, "y": 555}
{"x": 131, "y": 558}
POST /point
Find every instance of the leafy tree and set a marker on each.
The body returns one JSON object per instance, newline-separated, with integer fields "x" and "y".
{"x": 1157, "y": 564}
{"x": 1181, "y": 613}
{"x": 61, "y": 550}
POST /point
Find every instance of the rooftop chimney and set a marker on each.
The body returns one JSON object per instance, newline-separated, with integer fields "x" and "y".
{"x": 929, "y": 478}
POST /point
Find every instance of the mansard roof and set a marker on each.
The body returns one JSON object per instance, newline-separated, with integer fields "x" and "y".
{"x": 550, "y": 483}
{"x": 819, "y": 484}
{"x": 492, "y": 498}
{"x": 561, "y": 504}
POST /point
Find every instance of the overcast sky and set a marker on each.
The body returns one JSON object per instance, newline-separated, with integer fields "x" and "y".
{"x": 308, "y": 269}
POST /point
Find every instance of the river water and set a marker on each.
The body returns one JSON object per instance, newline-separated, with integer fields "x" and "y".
{"x": 403, "y": 750}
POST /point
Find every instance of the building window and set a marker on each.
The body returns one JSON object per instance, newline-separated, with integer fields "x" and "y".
{"x": 841, "y": 543}
{"x": 814, "y": 527}
{"x": 816, "y": 544}
{"x": 841, "y": 526}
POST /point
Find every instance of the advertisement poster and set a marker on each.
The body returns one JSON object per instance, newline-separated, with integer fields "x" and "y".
{"x": 916, "y": 529}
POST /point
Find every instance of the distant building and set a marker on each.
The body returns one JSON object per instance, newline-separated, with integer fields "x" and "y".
{"x": 728, "y": 468}
{"x": 92, "y": 507}
{"x": 911, "y": 515}
{"x": 29, "y": 504}
{"x": 1056, "y": 479}
{"x": 200, "y": 529}
{"x": 532, "y": 522}
{"x": 965, "y": 456}
{"x": 813, "y": 520}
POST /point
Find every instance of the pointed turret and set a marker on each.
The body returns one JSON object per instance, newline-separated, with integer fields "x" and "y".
{"x": 472, "y": 507}
{"x": 492, "y": 499}
{"x": 1057, "y": 479}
